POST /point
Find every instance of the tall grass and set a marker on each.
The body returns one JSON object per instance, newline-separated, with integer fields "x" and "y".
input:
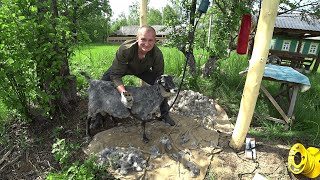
{"x": 94, "y": 59}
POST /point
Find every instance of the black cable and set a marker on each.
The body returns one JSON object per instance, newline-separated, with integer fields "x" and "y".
{"x": 183, "y": 75}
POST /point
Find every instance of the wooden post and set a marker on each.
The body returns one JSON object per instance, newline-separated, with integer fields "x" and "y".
{"x": 143, "y": 21}
{"x": 209, "y": 31}
{"x": 143, "y": 12}
{"x": 316, "y": 65}
{"x": 257, "y": 64}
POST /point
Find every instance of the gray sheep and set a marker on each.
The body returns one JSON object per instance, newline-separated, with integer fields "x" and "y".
{"x": 104, "y": 99}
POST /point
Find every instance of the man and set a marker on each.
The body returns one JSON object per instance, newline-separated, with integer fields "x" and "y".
{"x": 141, "y": 58}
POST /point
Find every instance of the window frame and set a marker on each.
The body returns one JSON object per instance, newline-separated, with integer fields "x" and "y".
{"x": 284, "y": 43}
{"x": 315, "y": 49}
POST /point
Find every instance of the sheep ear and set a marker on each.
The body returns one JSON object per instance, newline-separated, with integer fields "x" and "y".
{"x": 158, "y": 80}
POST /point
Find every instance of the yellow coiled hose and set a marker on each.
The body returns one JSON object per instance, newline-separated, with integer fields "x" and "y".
{"x": 304, "y": 161}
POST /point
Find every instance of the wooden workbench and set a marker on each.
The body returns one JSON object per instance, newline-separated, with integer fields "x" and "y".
{"x": 291, "y": 82}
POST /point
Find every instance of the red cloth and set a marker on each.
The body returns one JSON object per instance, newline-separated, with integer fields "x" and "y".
{"x": 244, "y": 33}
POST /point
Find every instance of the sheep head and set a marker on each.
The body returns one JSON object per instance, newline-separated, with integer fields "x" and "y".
{"x": 167, "y": 85}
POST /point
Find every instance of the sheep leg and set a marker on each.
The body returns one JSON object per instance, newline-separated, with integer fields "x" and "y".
{"x": 144, "y": 137}
{"x": 97, "y": 122}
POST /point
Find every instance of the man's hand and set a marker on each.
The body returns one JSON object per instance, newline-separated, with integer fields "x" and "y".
{"x": 127, "y": 99}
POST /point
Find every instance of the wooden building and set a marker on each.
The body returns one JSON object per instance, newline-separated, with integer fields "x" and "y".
{"x": 130, "y": 32}
{"x": 296, "y": 42}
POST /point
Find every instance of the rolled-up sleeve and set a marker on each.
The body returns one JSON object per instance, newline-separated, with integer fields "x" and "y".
{"x": 119, "y": 67}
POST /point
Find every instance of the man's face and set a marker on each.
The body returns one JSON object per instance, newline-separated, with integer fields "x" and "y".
{"x": 146, "y": 40}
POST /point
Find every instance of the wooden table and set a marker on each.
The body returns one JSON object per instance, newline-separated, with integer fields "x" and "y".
{"x": 291, "y": 82}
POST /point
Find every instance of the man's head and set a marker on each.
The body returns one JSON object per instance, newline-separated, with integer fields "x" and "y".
{"x": 146, "y": 38}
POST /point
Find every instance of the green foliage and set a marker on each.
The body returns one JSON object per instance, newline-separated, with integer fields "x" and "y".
{"x": 306, "y": 8}
{"x": 62, "y": 151}
{"x": 177, "y": 19}
{"x": 3, "y": 111}
{"x": 120, "y": 21}
{"x": 97, "y": 28}
{"x": 133, "y": 17}
{"x": 4, "y": 120}
{"x": 76, "y": 170}
{"x": 154, "y": 17}
{"x": 37, "y": 39}
{"x": 16, "y": 66}
{"x": 169, "y": 15}
{"x": 93, "y": 18}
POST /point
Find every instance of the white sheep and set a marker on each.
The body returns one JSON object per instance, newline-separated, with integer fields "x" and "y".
{"x": 104, "y": 99}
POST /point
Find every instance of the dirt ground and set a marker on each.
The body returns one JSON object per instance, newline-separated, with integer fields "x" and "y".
{"x": 28, "y": 154}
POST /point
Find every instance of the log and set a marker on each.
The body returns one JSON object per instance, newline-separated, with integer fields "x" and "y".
{"x": 255, "y": 72}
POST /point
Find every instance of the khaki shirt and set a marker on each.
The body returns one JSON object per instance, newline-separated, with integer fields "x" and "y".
{"x": 127, "y": 62}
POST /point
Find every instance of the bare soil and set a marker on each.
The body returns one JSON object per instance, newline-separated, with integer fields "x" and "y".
{"x": 28, "y": 153}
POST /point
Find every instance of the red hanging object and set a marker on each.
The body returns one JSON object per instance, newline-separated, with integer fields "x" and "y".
{"x": 244, "y": 33}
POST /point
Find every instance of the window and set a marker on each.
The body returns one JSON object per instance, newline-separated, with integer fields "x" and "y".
{"x": 313, "y": 48}
{"x": 286, "y": 45}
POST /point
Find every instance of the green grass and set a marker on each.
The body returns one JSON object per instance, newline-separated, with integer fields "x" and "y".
{"x": 93, "y": 59}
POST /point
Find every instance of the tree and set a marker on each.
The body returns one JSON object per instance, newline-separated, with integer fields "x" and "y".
{"x": 94, "y": 19}
{"x": 154, "y": 17}
{"x": 37, "y": 40}
{"x": 309, "y": 8}
{"x": 170, "y": 16}
{"x": 183, "y": 29}
{"x": 133, "y": 17}
{"x": 120, "y": 21}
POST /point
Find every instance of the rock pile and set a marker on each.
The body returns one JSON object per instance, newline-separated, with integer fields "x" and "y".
{"x": 123, "y": 159}
{"x": 196, "y": 105}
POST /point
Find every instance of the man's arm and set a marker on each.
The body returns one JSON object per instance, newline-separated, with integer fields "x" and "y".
{"x": 119, "y": 68}
{"x": 121, "y": 88}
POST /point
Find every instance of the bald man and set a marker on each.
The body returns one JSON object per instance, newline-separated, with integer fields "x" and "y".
{"x": 141, "y": 58}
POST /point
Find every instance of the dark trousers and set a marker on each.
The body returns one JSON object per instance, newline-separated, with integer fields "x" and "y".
{"x": 148, "y": 77}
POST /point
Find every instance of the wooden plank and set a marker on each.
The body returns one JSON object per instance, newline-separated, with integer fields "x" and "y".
{"x": 293, "y": 100}
{"x": 275, "y": 104}
{"x": 270, "y": 118}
